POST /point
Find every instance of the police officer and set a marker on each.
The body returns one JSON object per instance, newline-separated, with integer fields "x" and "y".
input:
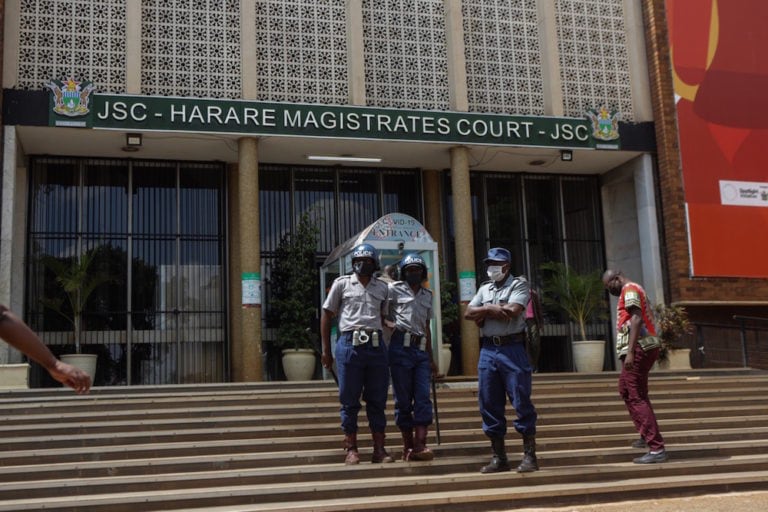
{"x": 410, "y": 356}
{"x": 360, "y": 301}
{"x": 503, "y": 369}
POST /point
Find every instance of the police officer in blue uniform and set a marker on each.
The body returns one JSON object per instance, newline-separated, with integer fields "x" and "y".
{"x": 360, "y": 302}
{"x": 410, "y": 356}
{"x": 503, "y": 368}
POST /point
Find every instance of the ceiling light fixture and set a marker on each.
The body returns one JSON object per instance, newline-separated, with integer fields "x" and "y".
{"x": 344, "y": 158}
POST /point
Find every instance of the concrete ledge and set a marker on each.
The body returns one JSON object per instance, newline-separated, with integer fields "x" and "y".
{"x": 14, "y": 376}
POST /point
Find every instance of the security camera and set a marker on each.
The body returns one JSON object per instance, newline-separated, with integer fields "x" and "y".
{"x": 400, "y": 246}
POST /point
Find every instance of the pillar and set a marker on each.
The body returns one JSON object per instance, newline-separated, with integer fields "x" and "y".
{"x": 432, "y": 203}
{"x": 249, "y": 363}
{"x": 465, "y": 255}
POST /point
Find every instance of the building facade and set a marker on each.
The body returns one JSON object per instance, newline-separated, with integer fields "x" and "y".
{"x": 177, "y": 141}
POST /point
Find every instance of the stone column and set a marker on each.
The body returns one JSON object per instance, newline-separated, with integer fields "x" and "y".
{"x": 133, "y": 47}
{"x": 432, "y": 203}
{"x": 648, "y": 228}
{"x": 638, "y": 61}
{"x": 249, "y": 362}
{"x": 465, "y": 253}
{"x": 13, "y": 225}
{"x": 550, "y": 59}
{"x": 248, "y": 73}
{"x": 235, "y": 285}
{"x": 355, "y": 54}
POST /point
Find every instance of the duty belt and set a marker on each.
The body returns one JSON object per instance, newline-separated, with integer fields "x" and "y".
{"x": 414, "y": 340}
{"x": 507, "y": 339}
{"x": 363, "y": 336}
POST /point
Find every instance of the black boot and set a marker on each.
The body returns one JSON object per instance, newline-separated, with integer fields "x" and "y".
{"x": 529, "y": 462}
{"x": 499, "y": 460}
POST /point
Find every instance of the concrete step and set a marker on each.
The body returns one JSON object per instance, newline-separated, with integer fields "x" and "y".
{"x": 275, "y": 447}
{"x": 387, "y": 490}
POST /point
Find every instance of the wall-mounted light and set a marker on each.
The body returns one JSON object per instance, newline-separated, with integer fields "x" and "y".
{"x": 566, "y": 155}
{"x": 344, "y": 158}
{"x": 132, "y": 142}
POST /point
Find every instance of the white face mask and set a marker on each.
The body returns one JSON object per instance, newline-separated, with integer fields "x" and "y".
{"x": 494, "y": 273}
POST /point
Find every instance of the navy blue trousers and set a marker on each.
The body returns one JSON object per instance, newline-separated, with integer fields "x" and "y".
{"x": 504, "y": 372}
{"x": 411, "y": 378}
{"x": 363, "y": 371}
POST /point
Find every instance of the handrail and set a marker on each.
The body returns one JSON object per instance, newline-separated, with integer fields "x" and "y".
{"x": 742, "y": 317}
{"x": 741, "y": 325}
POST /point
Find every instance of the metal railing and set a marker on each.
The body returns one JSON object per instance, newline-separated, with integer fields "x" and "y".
{"x": 721, "y": 345}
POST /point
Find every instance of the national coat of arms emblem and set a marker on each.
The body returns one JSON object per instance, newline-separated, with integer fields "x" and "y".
{"x": 605, "y": 123}
{"x": 71, "y": 97}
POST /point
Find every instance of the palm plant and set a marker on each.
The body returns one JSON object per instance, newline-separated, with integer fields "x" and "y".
{"x": 580, "y": 296}
{"x": 78, "y": 283}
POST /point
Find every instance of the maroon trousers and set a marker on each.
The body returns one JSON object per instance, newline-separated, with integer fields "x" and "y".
{"x": 633, "y": 388}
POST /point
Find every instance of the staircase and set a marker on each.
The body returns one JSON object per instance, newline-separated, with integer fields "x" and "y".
{"x": 277, "y": 446}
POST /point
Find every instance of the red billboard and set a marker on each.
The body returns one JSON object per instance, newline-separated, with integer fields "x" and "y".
{"x": 719, "y": 55}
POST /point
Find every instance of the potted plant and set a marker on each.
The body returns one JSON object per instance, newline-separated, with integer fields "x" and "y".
{"x": 294, "y": 284}
{"x": 78, "y": 282}
{"x": 672, "y": 324}
{"x": 582, "y": 298}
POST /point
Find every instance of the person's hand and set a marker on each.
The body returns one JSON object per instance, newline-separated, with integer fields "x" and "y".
{"x": 71, "y": 376}
{"x": 327, "y": 360}
{"x": 629, "y": 361}
{"x": 435, "y": 371}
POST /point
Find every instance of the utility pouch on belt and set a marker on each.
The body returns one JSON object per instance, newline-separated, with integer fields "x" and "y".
{"x": 415, "y": 341}
{"x": 363, "y": 337}
{"x": 649, "y": 343}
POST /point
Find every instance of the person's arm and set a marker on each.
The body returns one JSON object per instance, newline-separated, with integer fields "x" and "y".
{"x": 325, "y": 336}
{"x": 18, "y": 334}
{"x": 635, "y": 323}
{"x": 475, "y": 311}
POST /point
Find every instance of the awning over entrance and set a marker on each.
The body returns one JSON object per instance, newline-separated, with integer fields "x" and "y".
{"x": 394, "y": 228}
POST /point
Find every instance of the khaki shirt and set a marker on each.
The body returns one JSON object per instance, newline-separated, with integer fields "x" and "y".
{"x": 410, "y": 311}
{"x": 357, "y": 306}
{"x": 511, "y": 291}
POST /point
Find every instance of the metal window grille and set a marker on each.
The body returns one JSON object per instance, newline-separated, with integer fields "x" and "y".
{"x": 156, "y": 230}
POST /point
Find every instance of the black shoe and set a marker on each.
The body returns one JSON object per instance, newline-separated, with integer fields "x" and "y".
{"x": 652, "y": 458}
{"x": 528, "y": 464}
{"x": 639, "y": 443}
{"x": 496, "y": 465}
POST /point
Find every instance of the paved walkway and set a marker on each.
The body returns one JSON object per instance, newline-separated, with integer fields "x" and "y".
{"x": 733, "y": 502}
